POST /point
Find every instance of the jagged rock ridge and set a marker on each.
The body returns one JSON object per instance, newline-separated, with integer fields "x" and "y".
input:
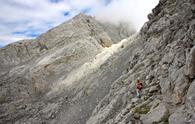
{"x": 164, "y": 60}
{"x": 46, "y": 80}
{"x": 161, "y": 55}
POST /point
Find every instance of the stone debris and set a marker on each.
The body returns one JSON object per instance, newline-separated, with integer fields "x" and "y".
{"x": 82, "y": 72}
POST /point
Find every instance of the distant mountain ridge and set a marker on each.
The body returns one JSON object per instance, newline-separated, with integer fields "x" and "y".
{"x": 81, "y": 73}
{"x": 35, "y": 69}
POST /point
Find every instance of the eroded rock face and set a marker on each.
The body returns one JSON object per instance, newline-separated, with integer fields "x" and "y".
{"x": 156, "y": 115}
{"x": 163, "y": 57}
{"x": 181, "y": 116}
{"x": 190, "y": 67}
{"x": 191, "y": 96}
{"x": 53, "y": 77}
{"x": 77, "y": 76}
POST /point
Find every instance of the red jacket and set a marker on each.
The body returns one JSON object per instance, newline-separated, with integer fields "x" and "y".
{"x": 139, "y": 85}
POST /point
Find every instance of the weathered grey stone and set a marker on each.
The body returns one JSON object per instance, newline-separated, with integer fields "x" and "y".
{"x": 160, "y": 25}
{"x": 190, "y": 66}
{"x": 128, "y": 118}
{"x": 152, "y": 84}
{"x": 40, "y": 75}
{"x": 135, "y": 100}
{"x": 181, "y": 83}
{"x": 191, "y": 96}
{"x": 153, "y": 89}
{"x": 165, "y": 85}
{"x": 155, "y": 115}
{"x": 74, "y": 74}
{"x": 181, "y": 116}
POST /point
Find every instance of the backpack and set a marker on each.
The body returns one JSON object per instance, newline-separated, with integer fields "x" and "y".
{"x": 139, "y": 85}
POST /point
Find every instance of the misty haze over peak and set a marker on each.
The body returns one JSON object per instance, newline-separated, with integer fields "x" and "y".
{"x": 28, "y": 19}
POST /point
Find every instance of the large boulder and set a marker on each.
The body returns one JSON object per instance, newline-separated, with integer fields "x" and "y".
{"x": 182, "y": 116}
{"x": 153, "y": 89}
{"x": 191, "y": 96}
{"x": 190, "y": 64}
{"x": 158, "y": 114}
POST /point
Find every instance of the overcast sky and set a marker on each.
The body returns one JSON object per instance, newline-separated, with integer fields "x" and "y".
{"x": 26, "y": 19}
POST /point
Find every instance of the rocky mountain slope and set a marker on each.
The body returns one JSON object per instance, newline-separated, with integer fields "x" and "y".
{"x": 74, "y": 74}
{"x": 164, "y": 60}
{"x": 47, "y": 80}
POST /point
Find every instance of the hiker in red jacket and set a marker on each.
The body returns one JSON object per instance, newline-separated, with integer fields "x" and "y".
{"x": 138, "y": 87}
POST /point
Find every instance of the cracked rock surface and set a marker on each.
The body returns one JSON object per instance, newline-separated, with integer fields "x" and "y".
{"x": 79, "y": 72}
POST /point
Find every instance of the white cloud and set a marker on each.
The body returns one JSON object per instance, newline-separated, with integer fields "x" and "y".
{"x": 6, "y": 39}
{"x": 134, "y": 11}
{"x": 41, "y": 15}
{"x": 24, "y": 15}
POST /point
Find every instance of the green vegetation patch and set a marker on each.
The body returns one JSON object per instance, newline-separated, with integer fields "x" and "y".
{"x": 144, "y": 109}
{"x": 165, "y": 119}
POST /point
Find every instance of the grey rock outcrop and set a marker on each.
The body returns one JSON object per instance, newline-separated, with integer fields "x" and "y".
{"x": 156, "y": 115}
{"x": 190, "y": 65}
{"x": 153, "y": 89}
{"x": 163, "y": 56}
{"x": 74, "y": 74}
{"x": 191, "y": 96}
{"x": 56, "y": 78}
{"x": 182, "y": 116}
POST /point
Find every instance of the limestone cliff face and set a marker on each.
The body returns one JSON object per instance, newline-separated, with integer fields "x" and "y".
{"x": 164, "y": 61}
{"x": 46, "y": 80}
{"x": 81, "y": 27}
{"x": 74, "y": 74}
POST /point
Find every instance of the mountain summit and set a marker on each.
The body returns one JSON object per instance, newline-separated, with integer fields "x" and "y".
{"x": 84, "y": 72}
{"x": 50, "y": 75}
